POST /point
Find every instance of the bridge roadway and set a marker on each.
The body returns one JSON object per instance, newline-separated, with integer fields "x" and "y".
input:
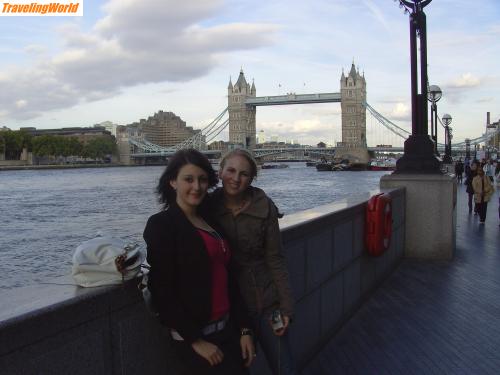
{"x": 292, "y": 98}
{"x": 432, "y": 317}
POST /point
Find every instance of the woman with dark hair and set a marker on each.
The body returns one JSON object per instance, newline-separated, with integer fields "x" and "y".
{"x": 190, "y": 279}
{"x": 250, "y": 219}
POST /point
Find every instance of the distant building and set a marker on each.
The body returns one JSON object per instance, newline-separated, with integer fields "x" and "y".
{"x": 84, "y": 135}
{"x": 219, "y": 145}
{"x": 492, "y": 128}
{"x": 164, "y": 129}
{"x": 261, "y": 137}
{"x": 4, "y": 129}
{"x": 108, "y": 125}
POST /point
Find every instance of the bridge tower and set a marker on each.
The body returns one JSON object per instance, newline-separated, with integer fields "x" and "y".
{"x": 241, "y": 117}
{"x": 353, "y": 95}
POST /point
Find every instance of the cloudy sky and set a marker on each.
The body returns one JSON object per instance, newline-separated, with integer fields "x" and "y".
{"x": 127, "y": 59}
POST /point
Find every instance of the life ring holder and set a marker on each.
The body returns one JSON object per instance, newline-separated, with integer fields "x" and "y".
{"x": 378, "y": 225}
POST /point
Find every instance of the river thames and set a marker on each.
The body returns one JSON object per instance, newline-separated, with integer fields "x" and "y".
{"x": 46, "y": 214}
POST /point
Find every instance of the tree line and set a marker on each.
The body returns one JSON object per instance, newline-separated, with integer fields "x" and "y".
{"x": 12, "y": 143}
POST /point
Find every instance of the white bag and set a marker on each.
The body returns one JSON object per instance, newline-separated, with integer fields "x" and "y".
{"x": 106, "y": 261}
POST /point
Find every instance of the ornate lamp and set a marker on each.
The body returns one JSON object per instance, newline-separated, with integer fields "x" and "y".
{"x": 419, "y": 155}
{"x": 447, "y": 134}
{"x": 433, "y": 95}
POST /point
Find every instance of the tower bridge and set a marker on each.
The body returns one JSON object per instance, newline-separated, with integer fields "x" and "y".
{"x": 242, "y": 103}
{"x": 241, "y": 121}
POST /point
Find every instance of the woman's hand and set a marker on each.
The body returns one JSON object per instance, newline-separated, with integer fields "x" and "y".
{"x": 208, "y": 351}
{"x": 247, "y": 349}
{"x": 286, "y": 322}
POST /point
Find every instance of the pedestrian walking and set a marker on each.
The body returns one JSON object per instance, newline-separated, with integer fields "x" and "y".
{"x": 459, "y": 170}
{"x": 489, "y": 170}
{"x": 469, "y": 175}
{"x": 475, "y": 166}
{"x": 483, "y": 191}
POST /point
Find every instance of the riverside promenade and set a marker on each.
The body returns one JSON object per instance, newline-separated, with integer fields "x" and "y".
{"x": 429, "y": 317}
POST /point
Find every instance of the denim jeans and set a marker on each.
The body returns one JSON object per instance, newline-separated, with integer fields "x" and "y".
{"x": 277, "y": 350}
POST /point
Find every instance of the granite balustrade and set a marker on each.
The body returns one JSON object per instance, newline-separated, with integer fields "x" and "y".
{"x": 57, "y": 328}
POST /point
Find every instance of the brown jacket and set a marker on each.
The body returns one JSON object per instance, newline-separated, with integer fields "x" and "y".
{"x": 478, "y": 188}
{"x": 255, "y": 238}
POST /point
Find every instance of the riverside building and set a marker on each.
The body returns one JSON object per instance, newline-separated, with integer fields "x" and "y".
{"x": 164, "y": 129}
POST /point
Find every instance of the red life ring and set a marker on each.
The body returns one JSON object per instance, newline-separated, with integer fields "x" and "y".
{"x": 378, "y": 228}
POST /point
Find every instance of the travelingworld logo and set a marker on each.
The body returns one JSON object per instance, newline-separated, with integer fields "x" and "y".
{"x": 25, "y": 8}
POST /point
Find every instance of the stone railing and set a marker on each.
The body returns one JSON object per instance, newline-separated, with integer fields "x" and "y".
{"x": 57, "y": 328}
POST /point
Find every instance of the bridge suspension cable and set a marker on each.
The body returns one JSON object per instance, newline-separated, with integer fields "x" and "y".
{"x": 205, "y": 135}
{"x": 403, "y": 133}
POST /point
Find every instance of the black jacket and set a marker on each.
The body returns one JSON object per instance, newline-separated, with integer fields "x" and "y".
{"x": 180, "y": 278}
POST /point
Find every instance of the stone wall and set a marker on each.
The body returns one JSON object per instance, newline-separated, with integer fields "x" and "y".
{"x": 57, "y": 328}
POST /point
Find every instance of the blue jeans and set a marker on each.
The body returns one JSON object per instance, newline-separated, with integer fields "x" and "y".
{"x": 277, "y": 350}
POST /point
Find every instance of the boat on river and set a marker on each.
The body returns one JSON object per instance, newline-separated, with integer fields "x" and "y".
{"x": 342, "y": 166}
{"x": 274, "y": 166}
{"x": 382, "y": 165}
{"x": 324, "y": 167}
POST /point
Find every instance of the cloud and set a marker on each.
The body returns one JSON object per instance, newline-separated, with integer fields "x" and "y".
{"x": 35, "y": 49}
{"x": 21, "y": 103}
{"x": 324, "y": 111}
{"x": 307, "y": 131}
{"x": 137, "y": 42}
{"x": 457, "y": 88}
{"x": 465, "y": 80}
{"x": 401, "y": 112}
{"x": 377, "y": 14}
{"x": 485, "y": 100}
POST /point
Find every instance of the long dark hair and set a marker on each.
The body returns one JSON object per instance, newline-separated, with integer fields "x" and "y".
{"x": 178, "y": 160}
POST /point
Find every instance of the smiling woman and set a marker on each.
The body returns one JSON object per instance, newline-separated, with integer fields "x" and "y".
{"x": 250, "y": 219}
{"x": 191, "y": 276}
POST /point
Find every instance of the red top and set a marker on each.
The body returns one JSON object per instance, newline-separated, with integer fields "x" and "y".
{"x": 219, "y": 253}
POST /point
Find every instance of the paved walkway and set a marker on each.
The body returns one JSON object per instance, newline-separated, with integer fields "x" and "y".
{"x": 431, "y": 317}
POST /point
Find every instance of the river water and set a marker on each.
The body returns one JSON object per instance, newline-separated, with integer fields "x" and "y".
{"x": 46, "y": 214}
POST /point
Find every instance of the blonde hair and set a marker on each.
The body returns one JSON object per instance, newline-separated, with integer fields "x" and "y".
{"x": 243, "y": 153}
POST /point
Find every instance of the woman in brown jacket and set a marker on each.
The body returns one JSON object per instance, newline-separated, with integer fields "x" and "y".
{"x": 483, "y": 191}
{"x": 250, "y": 220}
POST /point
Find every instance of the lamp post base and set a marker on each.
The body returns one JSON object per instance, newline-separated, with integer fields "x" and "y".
{"x": 419, "y": 157}
{"x": 447, "y": 159}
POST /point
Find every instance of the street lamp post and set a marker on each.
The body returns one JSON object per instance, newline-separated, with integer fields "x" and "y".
{"x": 467, "y": 148}
{"x": 419, "y": 150}
{"x": 434, "y": 95}
{"x": 447, "y": 139}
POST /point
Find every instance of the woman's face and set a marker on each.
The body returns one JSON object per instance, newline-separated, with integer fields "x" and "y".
{"x": 191, "y": 185}
{"x": 236, "y": 175}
